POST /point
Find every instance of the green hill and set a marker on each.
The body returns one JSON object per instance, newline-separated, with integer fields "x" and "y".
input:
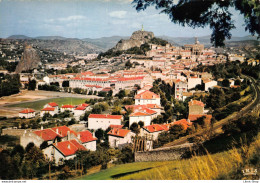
{"x": 224, "y": 165}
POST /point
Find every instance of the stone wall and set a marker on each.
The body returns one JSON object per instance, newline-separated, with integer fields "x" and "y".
{"x": 163, "y": 154}
{"x": 13, "y": 132}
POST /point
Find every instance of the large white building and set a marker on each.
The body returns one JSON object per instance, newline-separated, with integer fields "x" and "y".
{"x": 103, "y": 121}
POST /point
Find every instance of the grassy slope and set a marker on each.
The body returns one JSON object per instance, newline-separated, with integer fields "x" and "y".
{"x": 38, "y": 105}
{"x": 210, "y": 166}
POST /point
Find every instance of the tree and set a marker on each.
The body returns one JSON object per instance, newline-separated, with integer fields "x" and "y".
{"x": 121, "y": 94}
{"x": 141, "y": 123}
{"x": 128, "y": 64}
{"x": 32, "y": 84}
{"x": 66, "y": 84}
{"x": 99, "y": 134}
{"x": 215, "y": 14}
{"x": 225, "y": 83}
{"x": 134, "y": 128}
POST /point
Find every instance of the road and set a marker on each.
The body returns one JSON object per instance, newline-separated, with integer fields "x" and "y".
{"x": 219, "y": 124}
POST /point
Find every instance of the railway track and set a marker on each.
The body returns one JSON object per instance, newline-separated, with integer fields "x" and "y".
{"x": 250, "y": 107}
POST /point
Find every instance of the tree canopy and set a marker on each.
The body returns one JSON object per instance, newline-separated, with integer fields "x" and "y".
{"x": 214, "y": 13}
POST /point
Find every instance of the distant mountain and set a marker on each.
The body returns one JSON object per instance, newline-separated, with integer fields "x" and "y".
{"x": 243, "y": 43}
{"x": 19, "y": 37}
{"x": 106, "y": 42}
{"x": 69, "y": 46}
{"x": 203, "y": 39}
{"x": 50, "y": 38}
{"x": 97, "y": 45}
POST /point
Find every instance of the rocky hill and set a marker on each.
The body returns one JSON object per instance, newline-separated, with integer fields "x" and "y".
{"x": 136, "y": 40}
{"x": 30, "y": 60}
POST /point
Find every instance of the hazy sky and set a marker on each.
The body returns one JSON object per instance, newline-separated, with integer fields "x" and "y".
{"x": 90, "y": 19}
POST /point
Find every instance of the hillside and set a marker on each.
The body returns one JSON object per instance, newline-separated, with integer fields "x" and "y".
{"x": 221, "y": 165}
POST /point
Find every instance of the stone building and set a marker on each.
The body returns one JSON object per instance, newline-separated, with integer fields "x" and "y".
{"x": 196, "y": 107}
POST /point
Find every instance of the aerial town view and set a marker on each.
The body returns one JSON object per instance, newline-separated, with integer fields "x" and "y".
{"x": 129, "y": 90}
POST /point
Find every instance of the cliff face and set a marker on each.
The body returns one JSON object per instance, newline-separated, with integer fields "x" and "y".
{"x": 137, "y": 39}
{"x": 29, "y": 60}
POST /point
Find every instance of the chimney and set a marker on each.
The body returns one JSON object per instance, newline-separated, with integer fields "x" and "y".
{"x": 68, "y": 135}
{"x": 57, "y": 131}
{"x": 188, "y": 120}
{"x": 41, "y": 127}
{"x": 78, "y": 135}
{"x": 69, "y": 146}
{"x": 94, "y": 135}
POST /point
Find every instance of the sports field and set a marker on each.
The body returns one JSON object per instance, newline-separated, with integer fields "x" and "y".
{"x": 38, "y": 105}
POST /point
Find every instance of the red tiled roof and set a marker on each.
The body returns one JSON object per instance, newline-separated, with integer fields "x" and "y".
{"x": 106, "y": 89}
{"x": 86, "y": 136}
{"x": 196, "y": 102}
{"x": 68, "y": 106}
{"x": 139, "y": 114}
{"x": 48, "y": 109}
{"x": 183, "y": 122}
{"x": 140, "y": 108}
{"x": 147, "y": 95}
{"x": 116, "y": 126}
{"x": 85, "y": 105}
{"x": 46, "y": 134}
{"x": 153, "y": 106}
{"x": 68, "y": 148}
{"x": 26, "y": 111}
{"x": 107, "y": 116}
{"x": 118, "y": 132}
{"x": 154, "y": 128}
{"x": 63, "y": 131}
{"x": 53, "y": 104}
{"x": 80, "y": 108}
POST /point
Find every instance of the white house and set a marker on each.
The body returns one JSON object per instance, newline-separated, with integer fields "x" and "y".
{"x": 67, "y": 108}
{"x": 193, "y": 82}
{"x": 103, "y": 121}
{"x": 49, "y": 110}
{"x": 52, "y": 104}
{"x": 27, "y": 113}
{"x": 153, "y": 131}
{"x": 118, "y": 138}
{"x": 65, "y": 150}
{"x": 80, "y": 110}
{"x": 140, "y": 116}
{"x": 209, "y": 84}
{"x": 87, "y": 140}
{"x": 147, "y": 97}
